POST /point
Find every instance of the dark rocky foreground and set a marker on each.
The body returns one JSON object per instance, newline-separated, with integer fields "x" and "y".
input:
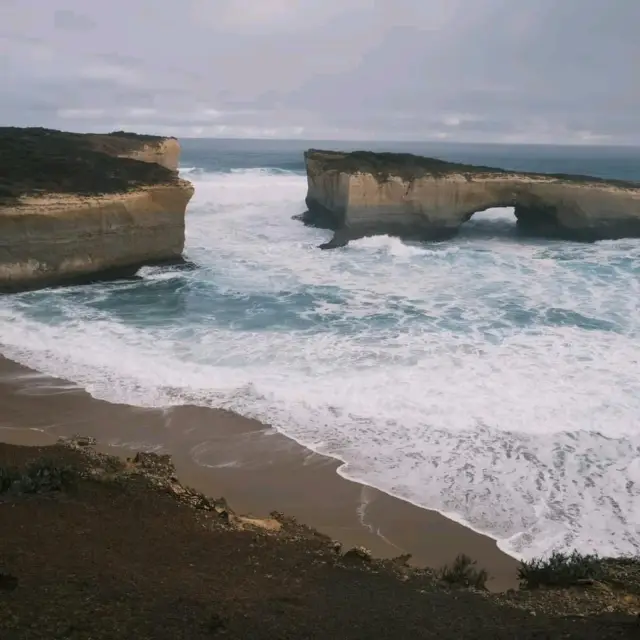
{"x": 95, "y": 547}
{"x": 34, "y": 161}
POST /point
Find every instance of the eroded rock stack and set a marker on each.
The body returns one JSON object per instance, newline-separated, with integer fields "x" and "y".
{"x": 362, "y": 193}
{"x": 75, "y": 207}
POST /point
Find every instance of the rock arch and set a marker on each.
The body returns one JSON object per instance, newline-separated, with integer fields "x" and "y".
{"x": 361, "y": 193}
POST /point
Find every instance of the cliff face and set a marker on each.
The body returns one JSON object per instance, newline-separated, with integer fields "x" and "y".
{"x": 77, "y": 207}
{"x": 361, "y": 194}
{"x": 50, "y": 240}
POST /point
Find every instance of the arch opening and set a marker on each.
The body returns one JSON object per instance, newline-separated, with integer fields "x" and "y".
{"x": 529, "y": 220}
{"x": 490, "y": 222}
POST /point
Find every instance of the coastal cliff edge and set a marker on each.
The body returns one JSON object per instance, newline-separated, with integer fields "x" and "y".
{"x": 76, "y": 207}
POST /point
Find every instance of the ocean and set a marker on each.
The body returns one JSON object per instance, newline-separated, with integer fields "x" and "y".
{"x": 491, "y": 378}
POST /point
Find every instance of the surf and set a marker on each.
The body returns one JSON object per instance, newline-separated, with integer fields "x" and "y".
{"x": 489, "y": 378}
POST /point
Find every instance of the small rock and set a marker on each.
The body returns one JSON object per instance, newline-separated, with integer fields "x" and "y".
{"x": 358, "y": 553}
{"x": 402, "y": 560}
{"x": 177, "y": 489}
{"x": 78, "y": 441}
{"x": 584, "y": 582}
{"x": 155, "y": 463}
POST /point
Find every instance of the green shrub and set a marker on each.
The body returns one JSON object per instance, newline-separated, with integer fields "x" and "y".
{"x": 39, "y": 476}
{"x": 7, "y": 478}
{"x": 560, "y": 570}
{"x": 463, "y": 573}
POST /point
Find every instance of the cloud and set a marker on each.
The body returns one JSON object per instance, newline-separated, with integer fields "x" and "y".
{"x": 272, "y": 16}
{"x": 71, "y": 21}
{"x": 477, "y": 70}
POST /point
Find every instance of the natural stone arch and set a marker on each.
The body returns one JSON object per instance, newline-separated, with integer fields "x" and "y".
{"x": 363, "y": 193}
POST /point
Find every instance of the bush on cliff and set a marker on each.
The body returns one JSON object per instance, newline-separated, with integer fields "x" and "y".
{"x": 463, "y": 573}
{"x": 39, "y": 477}
{"x": 34, "y": 161}
{"x": 135, "y": 136}
{"x": 561, "y": 570}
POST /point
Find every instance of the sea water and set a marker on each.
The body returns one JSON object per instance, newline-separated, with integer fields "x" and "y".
{"x": 494, "y": 379}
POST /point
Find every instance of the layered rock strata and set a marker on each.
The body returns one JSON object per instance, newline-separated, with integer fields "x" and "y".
{"x": 362, "y": 193}
{"x": 76, "y": 207}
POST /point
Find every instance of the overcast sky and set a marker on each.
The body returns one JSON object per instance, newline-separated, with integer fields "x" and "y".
{"x": 565, "y": 71}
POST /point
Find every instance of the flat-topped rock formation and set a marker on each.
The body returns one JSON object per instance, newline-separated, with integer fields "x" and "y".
{"x": 162, "y": 151}
{"x": 363, "y": 193}
{"x": 76, "y": 207}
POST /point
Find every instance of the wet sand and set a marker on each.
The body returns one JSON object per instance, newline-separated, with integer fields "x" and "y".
{"x": 255, "y": 468}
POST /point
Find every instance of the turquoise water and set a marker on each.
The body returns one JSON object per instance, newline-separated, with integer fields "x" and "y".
{"x": 492, "y": 378}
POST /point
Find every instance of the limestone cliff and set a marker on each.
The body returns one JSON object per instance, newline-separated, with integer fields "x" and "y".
{"x": 362, "y": 193}
{"x": 74, "y": 207}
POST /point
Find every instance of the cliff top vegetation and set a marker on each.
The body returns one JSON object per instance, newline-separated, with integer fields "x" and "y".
{"x": 36, "y": 161}
{"x": 409, "y": 166}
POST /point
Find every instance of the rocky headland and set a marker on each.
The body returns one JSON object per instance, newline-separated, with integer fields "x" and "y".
{"x": 77, "y": 207}
{"x": 363, "y": 193}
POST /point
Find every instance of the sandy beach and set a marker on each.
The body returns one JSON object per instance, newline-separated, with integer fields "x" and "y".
{"x": 255, "y": 468}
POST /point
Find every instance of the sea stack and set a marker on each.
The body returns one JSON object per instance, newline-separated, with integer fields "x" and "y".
{"x": 78, "y": 207}
{"x": 363, "y": 193}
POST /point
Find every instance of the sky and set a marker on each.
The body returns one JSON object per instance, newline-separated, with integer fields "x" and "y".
{"x": 542, "y": 71}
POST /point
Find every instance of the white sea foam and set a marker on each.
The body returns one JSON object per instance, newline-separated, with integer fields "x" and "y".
{"x": 489, "y": 378}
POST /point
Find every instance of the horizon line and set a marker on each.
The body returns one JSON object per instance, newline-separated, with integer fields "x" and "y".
{"x": 425, "y": 141}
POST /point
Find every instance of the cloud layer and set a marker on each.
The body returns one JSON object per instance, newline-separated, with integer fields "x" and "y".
{"x": 471, "y": 70}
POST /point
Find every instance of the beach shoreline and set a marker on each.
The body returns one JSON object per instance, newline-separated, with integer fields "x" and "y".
{"x": 255, "y": 468}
